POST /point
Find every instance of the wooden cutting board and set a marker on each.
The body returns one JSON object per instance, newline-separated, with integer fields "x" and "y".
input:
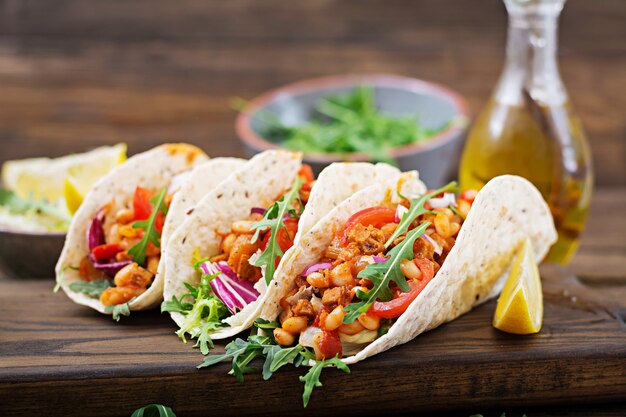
{"x": 63, "y": 359}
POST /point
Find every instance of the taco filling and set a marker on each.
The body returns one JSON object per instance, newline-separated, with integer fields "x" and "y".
{"x": 244, "y": 265}
{"x": 124, "y": 244}
{"x": 376, "y": 265}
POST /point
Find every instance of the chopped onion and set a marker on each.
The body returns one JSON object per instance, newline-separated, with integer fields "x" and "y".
{"x": 316, "y": 267}
{"x": 307, "y": 337}
{"x": 400, "y": 211}
{"x": 257, "y": 210}
{"x": 233, "y": 292}
{"x": 437, "y": 246}
{"x": 442, "y": 202}
{"x": 379, "y": 259}
{"x": 95, "y": 232}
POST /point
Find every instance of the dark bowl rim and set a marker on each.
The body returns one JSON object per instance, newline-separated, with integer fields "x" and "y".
{"x": 31, "y": 232}
{"x": 456, "y": 128}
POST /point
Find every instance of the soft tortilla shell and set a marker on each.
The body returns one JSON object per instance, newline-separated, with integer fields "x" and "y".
{"x": 256, "y": 184}
{"x": 506, "y": 211}
{"x": 202, "y": 179}
{"x": 335, "y": 183}
{"x": 152, "y": 169}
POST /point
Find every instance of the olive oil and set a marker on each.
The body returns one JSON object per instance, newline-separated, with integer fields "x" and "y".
{"x": 528, "y": 127}
{"x": 512, "y": 140}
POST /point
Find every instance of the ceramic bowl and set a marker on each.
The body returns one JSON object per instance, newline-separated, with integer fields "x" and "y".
{"x": 29, "y": 254}
{"x": 436, "y": 158}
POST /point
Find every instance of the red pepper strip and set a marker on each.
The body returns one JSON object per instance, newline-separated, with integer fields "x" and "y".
{"x": 306, "y": 173}
{"x": 375, "y": 216}
{"x": 397, "y": 306}
{"x": 103, "y": 252}
{"x": 141, "y": 203}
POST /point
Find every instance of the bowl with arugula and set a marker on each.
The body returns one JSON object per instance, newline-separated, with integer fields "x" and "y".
{"x": 410, "y": 123}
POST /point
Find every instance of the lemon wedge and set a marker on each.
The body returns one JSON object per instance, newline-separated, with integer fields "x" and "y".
{"x": 66, "y": 178}
{"x": 520, "y": 306}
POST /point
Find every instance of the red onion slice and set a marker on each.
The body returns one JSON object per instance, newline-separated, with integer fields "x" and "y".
{"x": 316, "y": 267}
{"x": 95, "y": 232}
{"x": 257, "y": 210}
{"x": 233, "y": 292}
{"x": 378, "y": 259}
{"x": 109, "y": 268}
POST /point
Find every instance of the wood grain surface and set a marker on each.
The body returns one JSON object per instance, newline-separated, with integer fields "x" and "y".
{"x": 79, "y": 73}
{"x": 79, "y": 363}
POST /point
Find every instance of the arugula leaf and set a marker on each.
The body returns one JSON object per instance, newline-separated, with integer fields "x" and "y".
{"x": 176, "y": 305}
{"x": 285, "y": 356}
{"x": 273, "y": 219}
{"x": 416, "y": 209}
{"x": 118, "y": 310}
{"x": 382, "y": 273}
{"x": 312, "y": 377}
{"x": 91, "y": 288}
{"x": 241, "y": 352}
{"x": 153, "y": 410}
{"x": 138, "y": 252}
{"x": 59, "y": 279}
{"x": 266, "y": 324}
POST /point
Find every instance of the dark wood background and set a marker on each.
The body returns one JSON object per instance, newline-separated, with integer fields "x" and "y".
{"x": 79, "y": 73}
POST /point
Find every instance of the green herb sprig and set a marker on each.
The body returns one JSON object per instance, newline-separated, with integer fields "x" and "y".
{"x": 151, "y": 235}
{"x": 382, "y": 274}
{"x": 274, "y": 220}
{"x": 416, "y": 209}
{"x": 202, "y": 317}
{"x": 118, "y": 310}
{"x": 312, "y": 378}
{"x": 154, "y": 410}
{"x": 242, "y": 352}
{"x": 60, "y": 275}
{"x": 91, "y": 288}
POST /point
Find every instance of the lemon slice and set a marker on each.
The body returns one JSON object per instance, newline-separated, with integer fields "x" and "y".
{"x": 520, "y": 306}
{"x": 68, "y": 177}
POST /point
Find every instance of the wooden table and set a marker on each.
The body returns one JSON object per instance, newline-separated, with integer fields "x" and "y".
{"x": 79, "y": 73}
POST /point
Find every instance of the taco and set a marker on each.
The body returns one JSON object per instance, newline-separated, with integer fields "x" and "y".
{"x": 112, "y": 250}
{"x": 222, "y": 258}
{"x": 393, "y": 261}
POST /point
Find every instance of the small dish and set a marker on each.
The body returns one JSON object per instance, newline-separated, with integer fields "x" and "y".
{"x": 29, "y": 254}
{"x": 436, "y": 158}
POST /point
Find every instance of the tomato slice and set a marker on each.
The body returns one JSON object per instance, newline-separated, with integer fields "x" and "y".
{"x": 329, "y": 344}
{"x": 286, "y": 234}
{"x": 397, "y": 306}
{"x": 103, "y": 252}
{"x": 306, "y": 173}
{"x": 141, "y": 203}
{"x": 375, "y": 216}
